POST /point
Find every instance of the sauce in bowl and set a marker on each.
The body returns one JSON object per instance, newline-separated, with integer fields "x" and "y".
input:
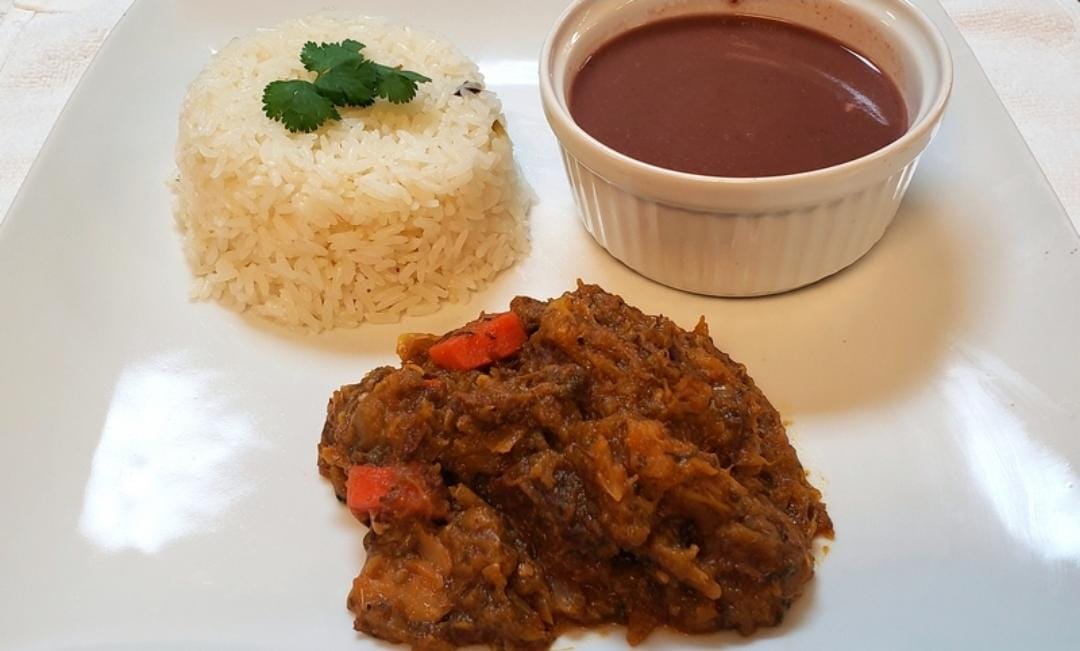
{"x": 736, "y": 96}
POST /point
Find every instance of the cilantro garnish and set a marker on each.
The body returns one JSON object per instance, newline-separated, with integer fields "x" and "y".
{"x": 349, "y": 84}
{"x": 298, "y": 105}
{"x": 343, "y": 77}
{"x": 321, "y": 57}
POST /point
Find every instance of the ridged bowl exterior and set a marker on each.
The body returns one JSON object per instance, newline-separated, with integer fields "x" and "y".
{"x": 734, "y": 254}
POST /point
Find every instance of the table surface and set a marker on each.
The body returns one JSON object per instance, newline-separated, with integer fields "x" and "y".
{"x": 1030, "y": 49}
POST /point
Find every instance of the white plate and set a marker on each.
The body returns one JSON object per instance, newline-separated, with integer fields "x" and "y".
{"x": 158, "y": 487}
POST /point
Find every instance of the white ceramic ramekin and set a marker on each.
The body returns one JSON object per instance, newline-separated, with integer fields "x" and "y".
{"x": 747, "y": 236}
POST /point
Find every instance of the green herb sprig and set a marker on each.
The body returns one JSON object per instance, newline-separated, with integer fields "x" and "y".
{"x": 343, "y": 77}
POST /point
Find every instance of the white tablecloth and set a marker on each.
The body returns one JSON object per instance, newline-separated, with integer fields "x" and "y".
{"x": 1029, "y": 48}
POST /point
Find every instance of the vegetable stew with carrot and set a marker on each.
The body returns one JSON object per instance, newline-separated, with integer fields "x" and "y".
{"x": 569, "y": 463}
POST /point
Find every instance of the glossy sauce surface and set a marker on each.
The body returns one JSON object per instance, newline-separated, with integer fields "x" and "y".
{"x": 735, "y": 95}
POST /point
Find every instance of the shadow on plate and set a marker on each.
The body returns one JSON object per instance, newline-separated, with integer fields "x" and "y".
{"x": 870, "y": 333}
{"x": 369, "y": 339}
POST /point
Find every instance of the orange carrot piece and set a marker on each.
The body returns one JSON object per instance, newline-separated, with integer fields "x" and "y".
{"x": 462, "y": 352}
{"x": 506, "y": 332}
{"x": 366, "y": 487}
{"x": 398, "y": 490}
{"x": 482, "y": 343}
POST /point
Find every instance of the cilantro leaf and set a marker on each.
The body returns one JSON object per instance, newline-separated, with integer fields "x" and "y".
{"x": 414, "y": 76}
{"x": 320, "y": 57}
{"x": 343, "y": 77}
{"x": 349, "y": 83}
{"x": 298, "y": 105}
{"x": 398, "y": 86}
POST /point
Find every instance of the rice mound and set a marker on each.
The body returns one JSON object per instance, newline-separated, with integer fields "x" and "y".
{"x": 391, "y": 211}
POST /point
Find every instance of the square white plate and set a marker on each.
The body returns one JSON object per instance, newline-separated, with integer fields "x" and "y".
{"x": 158, "y": 487}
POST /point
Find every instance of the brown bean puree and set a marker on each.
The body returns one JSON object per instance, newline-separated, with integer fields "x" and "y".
{"x": 735, "y": 95}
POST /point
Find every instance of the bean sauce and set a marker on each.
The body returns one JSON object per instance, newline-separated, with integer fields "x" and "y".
{"x": 737, "y": 96}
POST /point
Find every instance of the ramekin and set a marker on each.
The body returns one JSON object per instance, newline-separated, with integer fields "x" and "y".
{"x": 747, "y": 236}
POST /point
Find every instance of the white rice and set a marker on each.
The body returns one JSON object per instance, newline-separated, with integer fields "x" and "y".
{"x": 389, "y": 212}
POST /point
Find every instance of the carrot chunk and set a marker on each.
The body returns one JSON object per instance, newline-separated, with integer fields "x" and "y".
{"x": 393, "y": 490}
{"x": 481, "y": 343}
{"x": 506, "y": 333}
